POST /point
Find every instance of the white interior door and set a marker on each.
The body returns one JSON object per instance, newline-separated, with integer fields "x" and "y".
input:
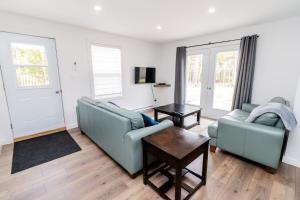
{"x": 31, "y": 80}
{"x": 211, "y": 73}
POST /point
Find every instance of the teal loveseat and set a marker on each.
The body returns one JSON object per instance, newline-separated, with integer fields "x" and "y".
{"x": 117, "y": 131}
{"x": 263, "y": 144}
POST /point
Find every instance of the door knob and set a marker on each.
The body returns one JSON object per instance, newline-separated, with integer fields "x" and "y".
{"x": 58, "y": 91}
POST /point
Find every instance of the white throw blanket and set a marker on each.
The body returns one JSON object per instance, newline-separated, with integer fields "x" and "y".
{"x": 284, "y": 112}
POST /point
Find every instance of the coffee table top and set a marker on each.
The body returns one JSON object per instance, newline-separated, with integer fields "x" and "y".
{"x": 176, "y": 142}
{"x": 184, "y": 109}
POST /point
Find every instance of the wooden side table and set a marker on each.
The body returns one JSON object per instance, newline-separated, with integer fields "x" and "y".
{"x": 177, "y": 148}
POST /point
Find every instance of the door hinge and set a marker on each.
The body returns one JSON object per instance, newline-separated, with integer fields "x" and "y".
{"x": 11, "y": 126}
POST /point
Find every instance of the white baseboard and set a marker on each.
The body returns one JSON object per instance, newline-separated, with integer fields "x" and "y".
{"x": 291, "y": 161}
{"x": 70, "y": 126}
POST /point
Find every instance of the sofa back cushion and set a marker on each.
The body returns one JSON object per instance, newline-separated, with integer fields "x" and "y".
{"x": 280, "y": 100}
{"x": 135, "y": 118}
{"x": 271, "y": 119}
{"x": 280, "y": 124}
{"x": 268, "y": 119}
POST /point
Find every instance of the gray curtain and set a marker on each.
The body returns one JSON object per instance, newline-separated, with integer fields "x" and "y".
{"x": 246, "y": 65}
{"x": 180, "y": 73}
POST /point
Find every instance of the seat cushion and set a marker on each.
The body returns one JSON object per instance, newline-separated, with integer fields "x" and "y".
{"x": 239, "y": 115}
{"x": 213, "y": 130}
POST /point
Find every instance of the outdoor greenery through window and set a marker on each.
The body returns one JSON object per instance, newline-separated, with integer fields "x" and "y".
{"x": 31, "y": 65}
{"x": 194, "y": 73}
{"x": 225, "y": 75}
{"x": 210, "y": 78}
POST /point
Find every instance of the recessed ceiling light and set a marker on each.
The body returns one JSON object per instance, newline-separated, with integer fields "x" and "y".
{"x": 97, "y": 8}
{"x": 159, "y": 28}
{"x": 211, "y": 10}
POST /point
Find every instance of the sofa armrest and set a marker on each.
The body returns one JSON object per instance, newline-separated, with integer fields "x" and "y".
{"x": 136, "y": 135}
{"x": 247, "y": 107}
{"x": 133, "y": 145}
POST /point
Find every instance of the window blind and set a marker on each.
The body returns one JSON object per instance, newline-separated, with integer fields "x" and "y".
{"x": 106, "y": 63}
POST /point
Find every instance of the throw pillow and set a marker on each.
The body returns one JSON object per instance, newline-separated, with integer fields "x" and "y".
{"x": 148, "y": 120}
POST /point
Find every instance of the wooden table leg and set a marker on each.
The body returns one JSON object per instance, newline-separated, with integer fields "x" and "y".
{"x": 145, "y": 165}
{"x": 155, "y": 115}
{"x": 181, "y": 122}
{"x": 178, "y": 177}
{"x": 204, "y": 166}
{"x": 198, "y": 117}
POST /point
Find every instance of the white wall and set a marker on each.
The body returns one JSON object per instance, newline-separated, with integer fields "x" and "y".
{"x": 292, "y": 155}
{"x": 277, "y": 62}
{"x": 276, "y": 73}
{"x": 72, "y": 45}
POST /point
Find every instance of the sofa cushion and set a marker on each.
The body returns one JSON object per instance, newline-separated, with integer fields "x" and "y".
{"x": 280, "y": 100}
{"x": 268, "y": 119}
{"x": 239, "y": 115}
{"x": 280, "y": 124}
{"x": 114, "y": 104}
{"x": 148, "y": 121}
{"x": 135, "y": 118}
{"x": 247, "y": 107}
{"x": 213, "y": 130}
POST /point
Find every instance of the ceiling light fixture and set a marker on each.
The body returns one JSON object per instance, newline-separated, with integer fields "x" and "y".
{"x": 211, "y": 10}
{"x": 97, "y": 8}
{"x": 159, "y": 28}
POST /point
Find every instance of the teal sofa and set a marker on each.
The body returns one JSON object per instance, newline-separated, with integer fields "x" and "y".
{"x": 261, "y": 143}
{"x": 117, "y": 131}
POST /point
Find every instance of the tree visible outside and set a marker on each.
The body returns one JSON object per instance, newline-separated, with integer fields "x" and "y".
{"x": 32, "y": 65}
{"x": 224, "y": 79}
{"x": 194, "y": 73}
{"x": 225, "y": 75}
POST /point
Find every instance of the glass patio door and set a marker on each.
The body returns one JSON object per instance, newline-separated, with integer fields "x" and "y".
{"x": 211, "y": 75}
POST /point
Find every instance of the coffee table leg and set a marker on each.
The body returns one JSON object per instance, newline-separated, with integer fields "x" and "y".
{"x": 178, "y": 184}
{"x": 198, "y": 117}
{"x": 204, "y": 166}
{"x": 155, "y": 115}
{"x": 181, "y": 122}
{"x": 145, "y": 165}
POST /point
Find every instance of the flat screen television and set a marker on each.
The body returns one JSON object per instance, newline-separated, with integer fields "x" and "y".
{"x": 144, "y": 75}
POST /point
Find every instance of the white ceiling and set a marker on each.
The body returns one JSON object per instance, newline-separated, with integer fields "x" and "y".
{"x": 139, "y": 18}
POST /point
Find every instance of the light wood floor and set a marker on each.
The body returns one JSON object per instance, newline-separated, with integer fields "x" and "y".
{"x": 90, "y": 174}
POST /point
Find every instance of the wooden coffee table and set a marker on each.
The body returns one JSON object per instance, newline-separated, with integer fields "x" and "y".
{"x": 178, "y": 113}
{"x": 175, "y": 148}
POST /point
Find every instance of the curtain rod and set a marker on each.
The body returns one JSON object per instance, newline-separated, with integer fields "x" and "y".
{"x": 210, "y": 43}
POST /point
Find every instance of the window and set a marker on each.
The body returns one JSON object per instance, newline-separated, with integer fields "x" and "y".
{"x": 106, "y": 64}
{"x": 194, "y": 75}
{"x": 225, "y": 75}
{"x": 31, "y": 65}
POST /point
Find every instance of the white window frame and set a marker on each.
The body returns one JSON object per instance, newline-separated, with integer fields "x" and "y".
{"x": 92, "y": 87}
